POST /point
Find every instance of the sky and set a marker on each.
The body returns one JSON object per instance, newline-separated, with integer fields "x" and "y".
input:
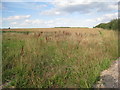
{"x": 56, "y": 13}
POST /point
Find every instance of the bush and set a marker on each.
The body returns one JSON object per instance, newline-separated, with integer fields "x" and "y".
{"x": 112, "y": 25}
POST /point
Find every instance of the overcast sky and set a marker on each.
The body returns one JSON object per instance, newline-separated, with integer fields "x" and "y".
{"x": 57, "y": 13}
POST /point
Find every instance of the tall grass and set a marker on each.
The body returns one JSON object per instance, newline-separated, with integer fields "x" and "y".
{"x": 63, "y": 60}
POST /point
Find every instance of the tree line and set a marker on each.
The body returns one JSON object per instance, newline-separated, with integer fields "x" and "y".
{"x": 112, "y": 25}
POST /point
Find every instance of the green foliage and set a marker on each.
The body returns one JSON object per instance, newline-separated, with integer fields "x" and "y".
{"x": 70, "y": 27}
{"x": 25, "y": 32}
{"x": 112, "y": 25}
{"x": 61, "y": 27}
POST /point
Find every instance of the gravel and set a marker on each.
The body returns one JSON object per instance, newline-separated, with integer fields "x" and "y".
{"x": 110, "y": 78}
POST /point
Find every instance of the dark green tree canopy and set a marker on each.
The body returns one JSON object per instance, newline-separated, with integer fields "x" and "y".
{"x": 112, "y": 25}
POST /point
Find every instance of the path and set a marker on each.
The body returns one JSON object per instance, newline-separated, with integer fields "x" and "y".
{"x": 110, "y": 78}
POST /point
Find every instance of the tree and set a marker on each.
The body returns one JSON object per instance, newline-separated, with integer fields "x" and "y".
{"x": 112, "y": 25}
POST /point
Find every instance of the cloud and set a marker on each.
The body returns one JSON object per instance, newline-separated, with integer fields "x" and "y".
{"x": 27, "y": 1}
{"x": 12, "y": 0}
{"x": 63, "y": 7}
{"x": 6, "y": 6}
{"x": 84, "y": 1}
{"x": 12, "y": 18}
{"x": 13, "y": 23}
{"x": 26, "y": 23}
{"x": 103, "y": 19}
{"x": 107, "y": 17}
{"x": 59, "y": 22}
{"x": 53, "y": 12}
{"x": 70, "y": 6}
{"x": 77, "y": 2}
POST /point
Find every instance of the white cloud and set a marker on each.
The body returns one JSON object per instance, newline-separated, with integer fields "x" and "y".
{"x": 58, "y": 22}
{"x": 70, "y": 6}
{"x": 12, "y": 0}
{"x": 59, "y": 0}
{"x": 114, "y": 6}
{"x": 28, "y": 23}
{"x": 107, "y": 17}
{"x": 61, "y": 22}
{"x": 13, "y": 23}
{"x": 27, "y": 0}
{"x": 65, "y": 7}
{"x": 53, "y": 12}
{"x": 77, "y": 2}
{"x": 103, "y": 19}
{"x": 12, "y": 18}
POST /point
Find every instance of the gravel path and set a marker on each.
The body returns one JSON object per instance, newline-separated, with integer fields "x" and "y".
{"x": 110, "y": 78}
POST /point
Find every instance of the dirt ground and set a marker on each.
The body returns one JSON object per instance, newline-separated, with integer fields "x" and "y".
{"x": 110, "y": 78}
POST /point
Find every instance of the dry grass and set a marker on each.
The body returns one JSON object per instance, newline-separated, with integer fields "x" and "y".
{"x": 54, "y": 57}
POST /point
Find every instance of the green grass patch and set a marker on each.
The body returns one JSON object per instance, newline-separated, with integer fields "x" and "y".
{"x": 30, "y": 62}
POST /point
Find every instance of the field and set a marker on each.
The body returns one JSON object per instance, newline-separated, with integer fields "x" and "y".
{"x": 56, "y": 57}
